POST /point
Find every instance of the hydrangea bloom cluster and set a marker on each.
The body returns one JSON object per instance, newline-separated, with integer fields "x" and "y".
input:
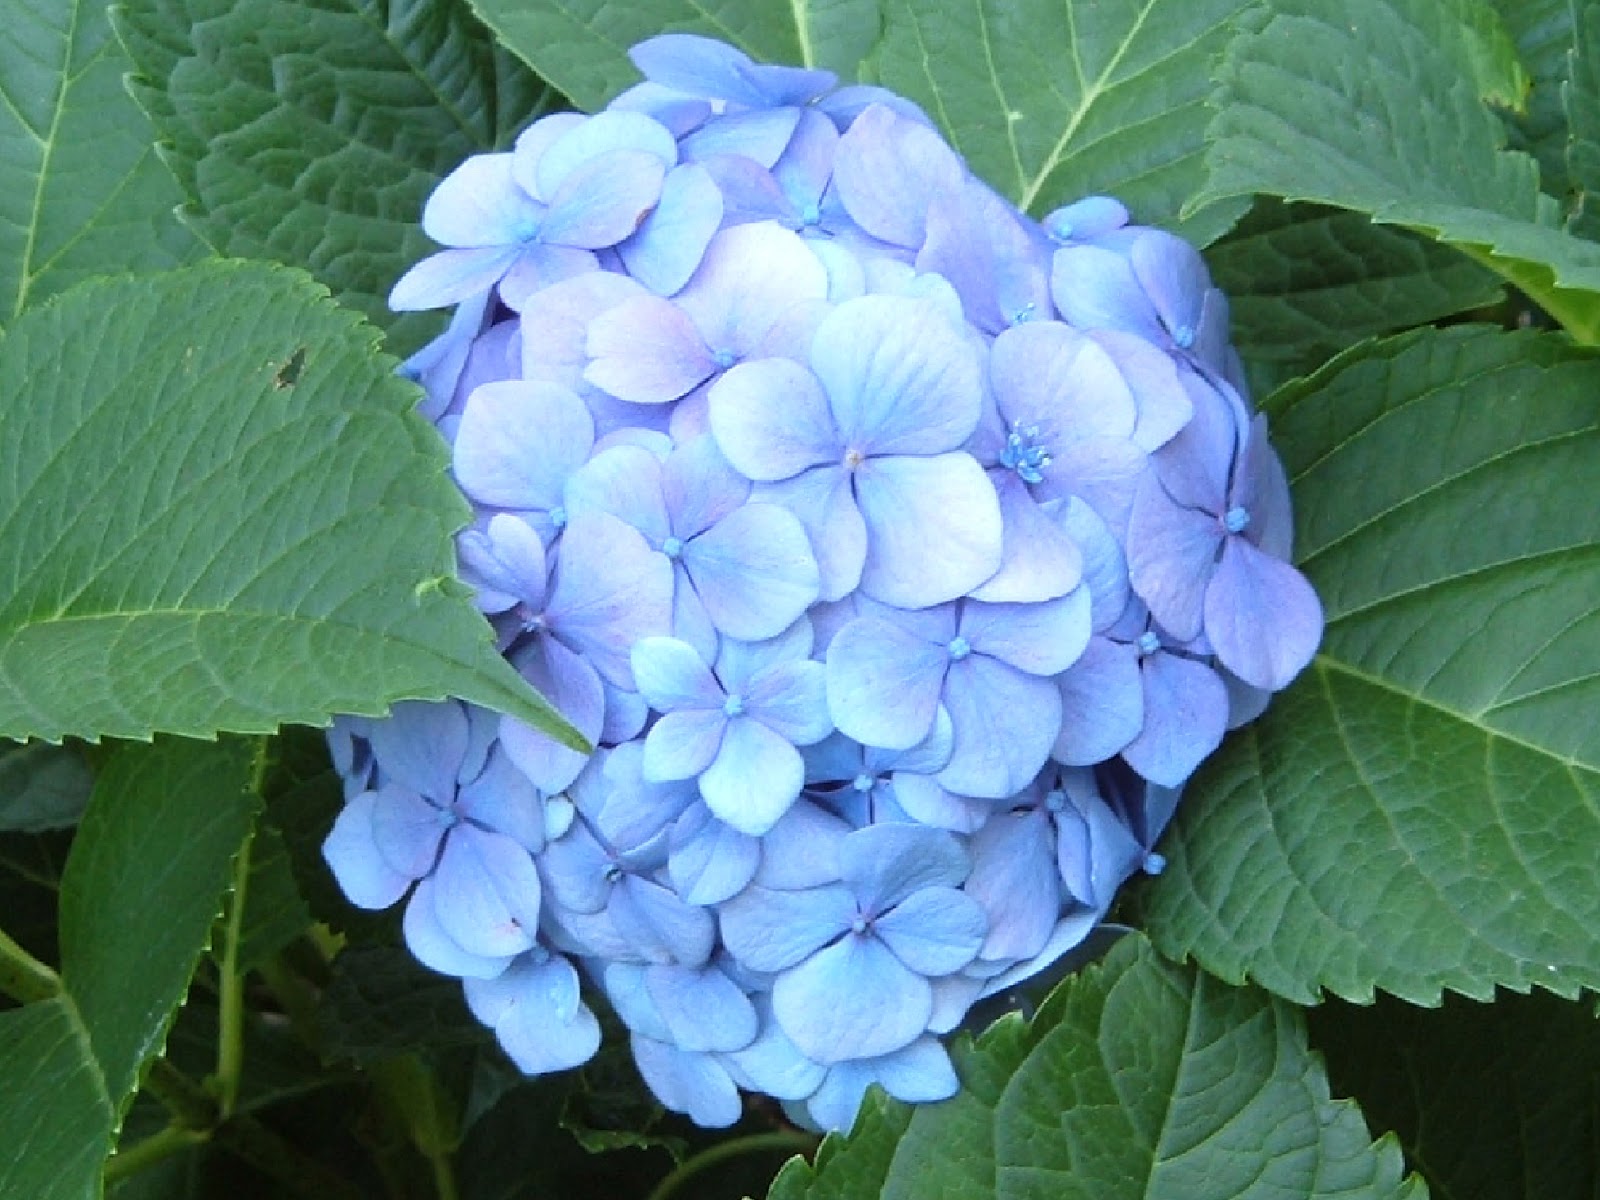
{"x": 902, "y": 556}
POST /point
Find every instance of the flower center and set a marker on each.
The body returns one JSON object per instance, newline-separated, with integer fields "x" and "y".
{"x": 532, "y": 622}
{"x": 1183, "y": 337}
{"x": 810, "y": 214}
{"x": 1236, "y": 518}
{"x": 859, "y": 925}
{"x": 1148, "y": 642}
{"x": 527, "y": 230}
{"x": 1023, "y": 453}
{"x": 733, "y": 706}
{"x": 612, "y": 873}
{"x": 1154, "y": 863}
{"x": 724, "y": 359}
{"x": 853, "y": 459}
{"x": 1024, "y": 314}
{"x": 672, "y": 547}
{"x": 1055, "y": 800}
{"x": 863, "y": 782}
{"x": 558, "y": 517}
{"x": 959, "y": 648}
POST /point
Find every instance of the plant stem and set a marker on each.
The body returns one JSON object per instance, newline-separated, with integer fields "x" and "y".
{"x": 22, "y": 976}
{"x": 230, "y": 1032}
{"x": 756, "y": 1143}
{"x": 174, "y": 1139}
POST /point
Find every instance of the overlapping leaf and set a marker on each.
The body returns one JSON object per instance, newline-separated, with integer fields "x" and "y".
{"x": 220, "y": 513}
{"x": 310, "y": 132}
{"x": 1377, "y": 106}
{"x": 1138, "y": 1078}
{"x": 1542, "y": 30}
{"x": 1420, "y": 811}
{"x": 581, "y": 46}
{"x": 144, "y": 881}
{"x": 1050, "y": 102}
{"x": 1305, "y": 281}
{"x": 1582, "y": 103}
{"x": 1427, "y": 1074}
{"x": 81, "y": 190}
{"x": 42, "y": 787}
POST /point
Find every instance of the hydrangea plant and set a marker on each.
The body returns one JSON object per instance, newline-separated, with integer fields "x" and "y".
{"x": 867, "y": 526}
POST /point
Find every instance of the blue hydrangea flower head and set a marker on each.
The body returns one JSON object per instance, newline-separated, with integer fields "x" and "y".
{"x": 902, "y": 555}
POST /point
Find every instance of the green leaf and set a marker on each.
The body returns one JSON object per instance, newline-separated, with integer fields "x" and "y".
{"x": 1582, "y": 101}
{"x": 1426, "y": 1075}
{"x": 310, "y": 132}
{"x": 1050, "y": 102}
{"x": 1138, "y": 1078}
{"x": 274, "y": 913}
{"x": 381, "y": 1003}
{"x": 81, "y": 190}
{"x": 1377, "y": 106}
{"x": 195, "y": 543}
{"x": 1421, "y": 809}
{"x": 1542, "y": 31}
{"x": 42, "y": 787}
{"x": 1305, "y": 281}
{"x": 142, "y": 885}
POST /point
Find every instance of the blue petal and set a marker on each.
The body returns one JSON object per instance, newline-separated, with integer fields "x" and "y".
{"x": 768, "y": 929}
{"x": 611, "y": 589}
{"x": 1005, "y": 724}
{"x": 887, "y": 170}
{"x": 1014, "y": 879}
{"x": 595, "y": 139}
{"x": 933, "y": 528}
{"x": 647, "y": 351}
{"x": 1185, "y": 716}
{"x": 658, "y": 926}
{"x": 754, "y": 779}
{"x": 884, "y": 683}
{"x": 710, "y": 861}
{"x": 407, "y": 830}
{"x": 1039, "y": 559}
{"x": 791, "y": 699}
{"x": 422, "y": 746}
{"x": 536, "y": 1015}
{"x": 802, "y": 849}
{"x": 825, "y": 505}
{"x": 771, "y": 419}
{"x": 668, "y": 247}
{"x": 486, "y": 893}
{"x": 759, "y": 136}
{"x": 683, "y": 743}
{"x": 919, "y": 1074}
{"x": 1102, "y": 704}
{"x": 688, "y": 1083}
{"x": 569, "y": 683}
{"x": 518, "y": 442}
{"x": 350, "y": 852}
{"x": 435, "y": 949}
{"x": 772, "y": 1065}
{"x": 935, "y": 930}
{"x": 886, "y": 863}
{"x": 604, "y": 201}
{"x": 752, "y": 279}
{"x": 574, "y": 868}
{"x": 1041, "y": 639}
{"x": 853, "y": 999}
{"x": 479, "y": 204}
{"x": 450, "y": 277}
{"x": 1095, "y": 288}
{"x": 670, "y": 674}
{"x": 1262, "y": 617}
{"x": 702, "y": 1007}
{"x": 754, "y": 571}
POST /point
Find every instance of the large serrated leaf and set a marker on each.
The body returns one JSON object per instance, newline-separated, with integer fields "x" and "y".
{"x": 1428, "y": 1076}
{"x": 1420, "y": 811}
{"x": 142, "y": 886}
{"x": 81, "y": 190}
{"x": 42, "y": 787}
{"x": 310, "y": 132}
{"x": 1304, "y": 281}
{"x": 220, "y": 513}
{"x": 581, "y": 46}
{"x": 1378, "y": 106}
{"x": 1138, "y": 1078}
{"x": 1542, "y": 30}
{"x": 1050, "y": 102}
{"x": 1581, "y": 98}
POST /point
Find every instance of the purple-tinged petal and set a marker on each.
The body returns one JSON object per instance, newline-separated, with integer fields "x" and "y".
{"x": 668, "y": 247}
{"x": 610, "y": 590}
{"x": 887, "y": 169}
{"x": 1163, "y": 402}
{"x": 771, "y": 930}
{"x": 596, "y": 139}
{"x": 407, "y": 830}
{"x": 1105, "y": 570}
{"x": 624, "y": 481}
{"x": 646, "y": 351}
{"x": 363, "y": 873}
{"x": 772, "y": 1065}
{"x": 486, "y": 893}
{"x": 670, "y": 674}
{"x": 761, "y": 136}
{"x": 1086, "y": 219}
{"x": 702, "y": 1007}
{"x": 754, "y": 571}
{"x": 884, "y": 683}
{"x": 604, "y": 201}
{"x": 935, "y": 930}
{"x": 1102, "y": 704}
{"x": 752, "y": 276}
{"x": 854, "y": 999}
{"x": 1261, "y": 488}
{"x": 1171, "y": 557}
{"x": 1095, "y": 288}
{"x": 711, "y": 861}
{"x": 575, "y": 868}
{"x": 1185, "y": 716}
{"x": 451, "y": 276}
{"x": 791, "y": 699}
{"x": 560, "y": 317}
{"x": 682, "y": 744}
{"x": 1039, "y": 560}
{"x": 771, "y": 419}
{"x": 802, "y": 849}
{"x": 689, "y": 1083}
{"x": 434, "y": 948}
{"x": 887, "y": 863}
{"x": 703, "y": 66}
{"x": 479, "y": 204}
{"x": 1175, "y": 278}
{"x": 1041, "y": 639}
{"x": 658, "y": 926}
{"x": 923, "y": 799}
{"x": 422, "y": 746}
{"x": 1014, "y": 879}
{"x": 910, "y": 504}
{"x": 535, "y": 1013}
{"x": 824, "y": 502}
{"x": 755, "y": 778}
{"x": 1195, "y": 466}
{"x": 539, "y": 266}
{"x": 681, "y": 114}
{"x": 1005, "y": 724}
{"x": 573, "y": 687}
{"x": 1263, "y": 619}
{"x": 503, "y": 799}
{"x": 699, "y": 486}
{"x": 1051, "y": 378}
{"x": 518, "y": 442}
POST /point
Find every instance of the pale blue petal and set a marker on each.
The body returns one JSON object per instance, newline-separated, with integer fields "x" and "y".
{"x": 791, "y": 699}
{"x": 1105, "y": 570}
{"x": 802, "y": 849}
{"x": 1172, "y": 553}
{"x": 768, "y": 929}
{"x": 1263, "y": 619}
{"x": 760, "y": 136}
{"x": 518, "y": 442}
{"x": 688, "y": 1083}
{"x": 1174, "y": 276}
{"x": 935, "y": 930}
{"x": 646, "y": 351}
{"x": 572, "y": 686}
{"x": 1102, "y": 704}
{"x": 575, "y": 868}
{"x": 853, "y": 999}
{"x": 771, "y": 419}
{"x": 534, "y": 142}
{"x": 919, "y": 1074}
{"x": 632, "y": 810}
{"x": 537, "y": 1016}
{"x": 421, "y": 746}
{"x": 611, "y": 589}
{"x": 1014, "y": 879}
{"x": 1069, "y": 932}
{"x": 684, "y": 743}
{"x": 1086, "y": 219}
{"x": 603, "y": 201}
{"x": 670, "y": 674}
{"x": 883, "y": 683}
{"x": 771, "y": 1064}
{"x": 1040, "y": 639}
{"x": 658, "y": 926}
{"x": 668, "y": 247}
{"x": 825, "y": 504}
{"x": 364, "y": 876}
{"x": 1185, "y": 716}
{"x": 933, "y": 528}
{"x": 923, "y": 799}
{"x": 1039, "y": 559}
{"x": 1163, "y": 402}
{"x": 702, "y": 1008}
{"x": 451, "y": 276}
{"x": 700, "y": 487}
{"x": 407, "y": 830}
{"x": 1095, "y": 288}
{"x": 595, "y": 139}
{"x": 887, "y": 169}
{"x": 754, "y": 779}
{"x": 479, "y": 204}
{"x": 752, "y": 278}
{"x": 886, "y": 863}
{"x": 435, "y": 949}
{"x": 1262, "y": 489}
{"x": 486, "y": 893}
{"x": 1005, "y": 724}
{"x": 754, "y": 571}
{"x": 710, "y": 860}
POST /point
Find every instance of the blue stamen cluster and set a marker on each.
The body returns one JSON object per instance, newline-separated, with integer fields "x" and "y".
{"x": 898, "y": 620}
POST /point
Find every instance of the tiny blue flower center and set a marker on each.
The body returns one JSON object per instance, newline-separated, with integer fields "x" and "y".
{"x": 1148, "y": 642}
{"x": 859, "y": 925}
{"x": 527, "y": 229}
{"x": 532, "y": 622}
{"x": 1024, "y": 314}
{"x": 1055, "y": 800}
{"x": 1023, "y": 453}
{"x": 853, "y": 459}
{"x": 1061, "y": 231}
{"x": 1183, "y": 337}
{"x": 810, "y": 214}
{"x": 863, "y": 782}
{"x": 612, "y": 873}
{"x": 672, "y": 547}
{"x": 1235, "y": 519}
{"x": 558, "y": 517}
{"x": 724, "y": 359}
{"x": 733, "y": 706}
{"x": 1154, "y": 863}
{"x": 959, "y": 648}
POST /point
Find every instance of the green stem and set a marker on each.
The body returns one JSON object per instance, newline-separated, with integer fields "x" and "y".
{"x": 756, "y": 1143}
{"x": 444, "y": 1177}
{"x": 230, "y": 1033}
{"x": 174, "y": 1139}
{"x": 297, "y": 997}
{"x": 22, "y": 976}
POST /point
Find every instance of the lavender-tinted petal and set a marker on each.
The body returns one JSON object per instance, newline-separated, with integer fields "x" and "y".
{"x": 752, "y": 276}
{"x": 883, "y": 683}
{"x": 503, "y": 799}
{"x": 887, "y": 169}
{"x": 596, "y": 139}
{"x": 1102, "y": 704}
{"x": 1014, "y": 879}
{"x": 926, "y": 756}
{"x": 624, "y": 481}
{"x": 451, "y": 276}
{"x": 825, "y": 504}
{"x": 710, "y": 860}
{"x": 536, "y": 141}
{"x": 518, "y": 442}
{"x": 749, "y": 191}
{"x": 561, "y": 316}
{"x": 1050, "y": 377}
{"x": 700, "y": 66}
{"x": 1095, "y": 288}
{"x": 802, "y": 849}
{"x": 924, "y": 799}
{"x": 754, "y": 571}
{"x": 1245, "y": 703}
{"x": 1069, "y": 931}
{"x": 1040, "y": 639}
{"x": 574, "y": 869}
{"x": 754, "y": 779}
{"x": 1195, "y": 466}
{"x": 541, "y": 265}
{"x": 909, "y": 504}
{"x": 670, "y": 674}
{"x": 1262, "y": 617}
{"x": 610, "y": 590}
{"x": 435, "y": 949}
{"x": 1005, "y": 724}
{"x": 407, "y": 830}
{"x": 646, "y": 351}
{"x": 699, "y": 485}
{"x": 421, "y": 746}
{"x": 761, "y": 136}
{"x": 1039, "y": 560}
{"x": 1105, "y": 569}
{"x": 886, "y": 863}
{"x": 771, "y": 1064}
{"x": 768, "y": 929}
{"x": 479, "y": 204}
{"x": 688, "y": 1083}
{"x": 364, "y": 875}
{"x": 702, "y": 1007}
{"x": 1086, "y": 219}
{"x": 536, "y": 1014}
{"x": 1175, "y": 278}
{"x": 853, "y": 999}
{"x": 604, "y": 200}
{"x": 1171, "y": 557}
{"x": 935, "y": 930}
{"x": 658, "y": 925}
{"x": 738, "y": 663}
{"x": 1185, "y": 716}
{"x": 1262, "y": 489}
{"x": 682, "y": 744}
{"x": 486, "y": 893}
{"x": 668, "y": 247}
{"x": 573, "y": 687}
{"x": 771, "y": 419}
{"x": 634, "y": 810}
{"x": 1163, "y": 402}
